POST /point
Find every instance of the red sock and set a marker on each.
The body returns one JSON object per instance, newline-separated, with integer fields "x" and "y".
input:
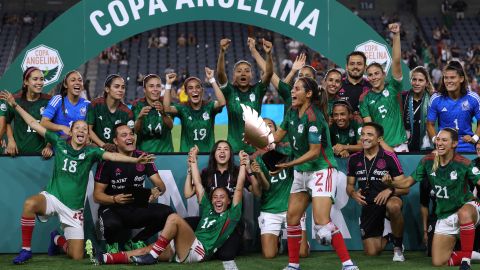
{"x": 455, "y": 259}
{"x": 116, "y": 258}
{"x": 467, "y": 237}
{"x": 294, "y": 237}
{"x": 27, "y": 230}
{"x": 62, "y": 243}
{"x": 160, "y": 245}
{"x": 340, "y": 248}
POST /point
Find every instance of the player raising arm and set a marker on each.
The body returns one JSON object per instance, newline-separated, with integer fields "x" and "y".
{"x": 450, "y": 175}
{"x": 65, "y": 192}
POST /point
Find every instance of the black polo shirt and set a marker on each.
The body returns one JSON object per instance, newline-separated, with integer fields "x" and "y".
{"x": 351, "y": 92}
{"x": 220, "y": 179}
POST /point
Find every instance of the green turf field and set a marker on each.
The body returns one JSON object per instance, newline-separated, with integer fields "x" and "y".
{"x": 220, "y": 134}
{"x": 317, "y": 260}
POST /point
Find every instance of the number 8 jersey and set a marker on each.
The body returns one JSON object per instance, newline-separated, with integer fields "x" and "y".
{"x": 71, "y": 170}
{"x": 451, "y": 183}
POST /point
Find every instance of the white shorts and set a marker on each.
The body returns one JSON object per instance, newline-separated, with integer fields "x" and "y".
{"x": 321, "y": 183}
{"x": 401, "y": 148}
{"x": 71, "y": 220}
{"x": 273, "y": 223}
{"x": 450, "y": 226}
{"x": 196, "y": 253}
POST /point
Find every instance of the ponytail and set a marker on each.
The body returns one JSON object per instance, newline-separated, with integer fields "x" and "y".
{"x": 64, "y": 90}
{"x": 319, "y": 95}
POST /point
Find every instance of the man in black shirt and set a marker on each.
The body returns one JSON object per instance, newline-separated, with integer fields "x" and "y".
{"x": 115, "y": 185}
{"x": 378, "y": 201}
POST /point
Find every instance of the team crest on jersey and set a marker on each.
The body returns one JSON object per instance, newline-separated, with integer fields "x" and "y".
{"x": 252, "y": 97}
{"x": 118, "y": 171}
{"x": 313, "y": 129}
{"x": 140, "y": 167}
{"x": 352, "y": 133}
{"x": 386, "y": 93}
{"x": 117, "y": 122}
{"x": 465, "y": 106}
{"x": 475, "y": 171}
{"x": 453, "y": 175}
{"x": 206, "y": 116}
{"x": 3, "y": 107}
{"x": 83, "y": 111}
{"x": 300, "y": 128}
{"x": 81, "y": 156}
{"x": 130, "y": 124}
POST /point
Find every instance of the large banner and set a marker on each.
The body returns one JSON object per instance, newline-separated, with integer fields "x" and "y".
{"x": 25, "y": 176}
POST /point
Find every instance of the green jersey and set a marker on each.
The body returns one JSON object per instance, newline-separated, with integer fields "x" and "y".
{"x": 285, "y": 92}
{"x": 104, "y": 121}
{"x": 384, "y": 108}
{"x": 71, "y": 170}
{"x": 214, "y": 229}
{"x": 197, "y": 126}
{"x": 236, "y": 126}
{"x": 345, "y": 136}
{"x": 27, "y": 139}
{"x": 310, "y": 128}
{"x": 275, "y": 199}
{"x": 155, "y": 136}
{"x": 3, "y": 113}
{"x": 450, "y": 183}
{"x": 331, "y": 101}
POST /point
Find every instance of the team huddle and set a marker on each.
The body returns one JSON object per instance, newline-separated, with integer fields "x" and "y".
{"x": 344, "y": 116}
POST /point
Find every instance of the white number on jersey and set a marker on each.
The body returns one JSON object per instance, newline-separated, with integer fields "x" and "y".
{"x": 281, "y": 176}
{"x": 157, "y": 129}
{"x": 106, "y": 133}
{"x": 441, "y": 192}
{"x": 72, "y": 165}
{"x": 29, "y": 129}
{"x": 383, "y": 111}
{"x": 207, "y": 223}
{"x": 202, "y": 133}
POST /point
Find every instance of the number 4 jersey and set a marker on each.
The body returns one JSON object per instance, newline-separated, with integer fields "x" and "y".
{"x": 451, "y": 183}
{"x": 71, "y": 170}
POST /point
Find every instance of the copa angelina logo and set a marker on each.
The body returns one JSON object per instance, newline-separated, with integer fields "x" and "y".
{"x": 47, "y": 59}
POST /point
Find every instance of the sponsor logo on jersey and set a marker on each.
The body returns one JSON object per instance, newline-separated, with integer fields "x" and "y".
{"x": 465, "y": 106}
{"x": 453, "y": 175}
{"x": 252, "y": 97}
{"x": 3, "y": 107}
{"x": 47, "y": 59}
{"x": 83, "y": 111}
{"x": 300, "y": 128}
{"x": 206, "y": 116}
{"x": 444, "y": 109}
{"x": 386, "y": 93}
{"x": 312, "y": 129}
{"x": 130, "y": 124}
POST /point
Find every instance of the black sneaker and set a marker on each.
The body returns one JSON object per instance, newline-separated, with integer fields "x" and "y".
{"x": 144, "y": 259}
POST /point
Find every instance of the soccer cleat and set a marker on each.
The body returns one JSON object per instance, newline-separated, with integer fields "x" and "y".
{"x": 130, "y": 245}
{"x": 90, "y": 251}
{"x": 112, "y": 248}
{"x": 52, "y": 247}
{"x": 350, "y": 267}
{"x": 23, "y": 256}
{"x": 398, "y": 255}
{"x": 144, "y": 259}
{"x": 465, "y": 265}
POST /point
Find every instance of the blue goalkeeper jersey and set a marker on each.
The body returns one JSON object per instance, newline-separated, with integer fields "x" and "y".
{"x": 456, "y": 114}
{"x": 67, "y": 114}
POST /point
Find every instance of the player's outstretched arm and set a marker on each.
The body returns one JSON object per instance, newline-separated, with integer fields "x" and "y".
{"x": 279, "y": 134}
{"x": 268, "y": 73}
{"x": 189, "y": 187}
{"x": 398, "y": 182}
{"x": 221, "y": 74}
{"x": 396, "y": 51}
{"x": 116, "y": 157}
{"x": 220, "y": 102}
{"x": 32, "y": 122}
{"x": 297, "y": 65}
{"x": 260, "y": 61}
{"x": 167, "y": 97}
{"x": 238, "y": 194}
{"x": 197, "y": 180}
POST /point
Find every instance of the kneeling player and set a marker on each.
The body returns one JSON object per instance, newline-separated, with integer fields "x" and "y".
{"x": 376, "y": 199}
{"x": 218, "y": 221}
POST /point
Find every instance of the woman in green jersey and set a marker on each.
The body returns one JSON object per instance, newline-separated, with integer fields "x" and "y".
{"x": 240, "y": 91}
{"x": 458, "y": 211}
{"x": 197, "y": 116}
{"x": 23, "y": 139}
{"x": 315, "y": 172}
{"x": 107, "y": 111}
{"x": 65, "y": 193}
{"x": 219, "y": 217}
{"x": 153, "y": 126}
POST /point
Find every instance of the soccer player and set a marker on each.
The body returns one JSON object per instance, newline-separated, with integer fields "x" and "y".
{"x": 353, "y": 83}
{"x": 344, "y": 131}
{"x": 275, "y": 191}
{"x": 24, "y": 139}
{"x": 197, "y": 116}
{"x": 113, "y": 182}
{"x": 65, "y": 193}
{"x": 332, "y": 83}
{"x": 380, "y": 104}
{"x": 64, "y": 109}
{"x": 240, "y": 91}
{"x": 454, "y": 106}
{"x": 107, "y": 111}
{"x": 314, "y": 170}
{"x": 378, "y": 201}
{"x": 219, "y": 217}
{"x": 415, "y": 107}
{"x": 153, "y": 125}
{"x": 457, "y": 209}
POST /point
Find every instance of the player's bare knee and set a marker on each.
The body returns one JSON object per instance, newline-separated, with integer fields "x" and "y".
{"x": 437, "y": 262}
{"x": 30, "y": 205}
{"x": 173, "y": 218}
{"x": 372, "y": 252}
{"x": 394, "y": 207}
{"x": 464, "y": 214}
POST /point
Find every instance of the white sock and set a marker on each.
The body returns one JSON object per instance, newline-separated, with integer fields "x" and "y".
{"x": 475, "y": 256}
{"x": 296, "y": 265}
{"x": 27, "y": 248}
{"x": 154, "y": 254}
{"x": 347, "y": 262}
{"x": 230, "y": 265}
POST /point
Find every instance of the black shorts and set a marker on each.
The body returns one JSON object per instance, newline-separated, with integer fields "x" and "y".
{"x": 372, "y": 220}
